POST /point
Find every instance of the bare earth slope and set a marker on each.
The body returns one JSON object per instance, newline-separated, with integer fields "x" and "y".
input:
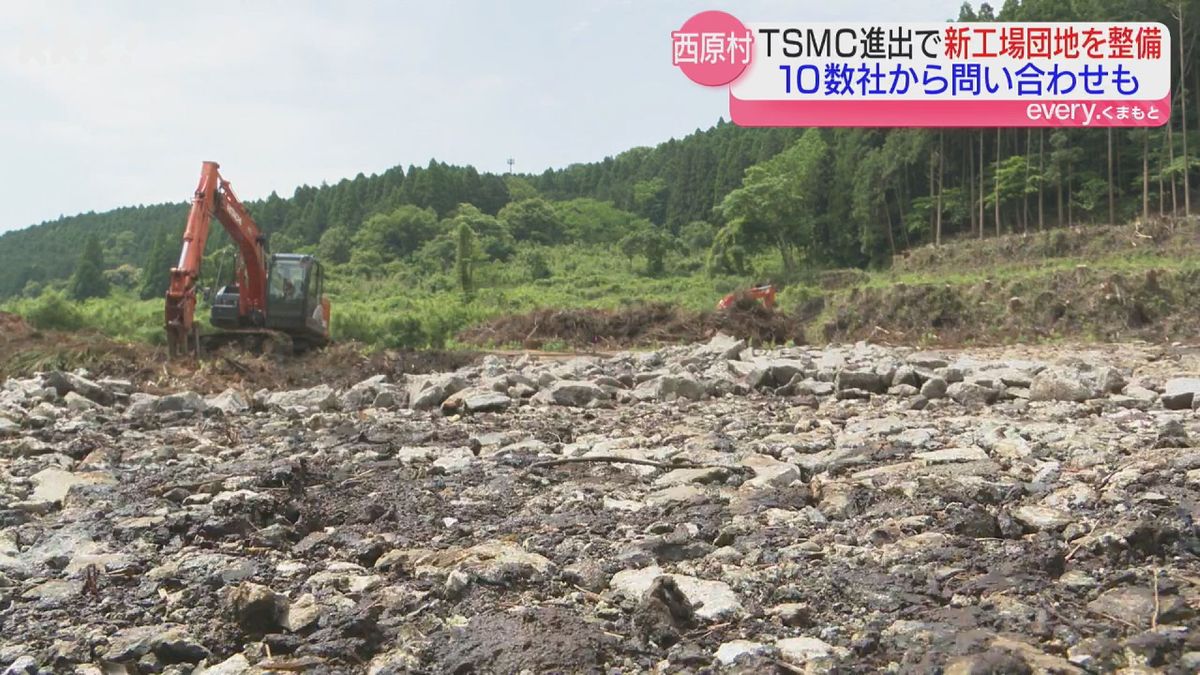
{"x": 850, "y": 509}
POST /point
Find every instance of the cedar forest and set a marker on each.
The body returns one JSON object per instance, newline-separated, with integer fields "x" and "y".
{"x": 417, "y": 254}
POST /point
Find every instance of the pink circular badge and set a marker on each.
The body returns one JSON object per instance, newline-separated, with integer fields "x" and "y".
{"x": 712, "y": 48}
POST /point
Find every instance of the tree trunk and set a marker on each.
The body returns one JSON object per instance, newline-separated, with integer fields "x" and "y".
{"x": 1059, "y": 185}
{"x": 996, "y": 184}
{"x": 1070, "y": 197}
{"x": 1112, "y": 203}
{"x": 932, "y": 198}
{"x": 1145, "y": 174}
{"x": 1183, "y": 66}
{"x": 1025, "y": 185}
{"x": 941, "y": 177}
{"x": 981, "y": 163}
{"x": 887, "y": 209}
{"x": 970, "y": 147}
{"x": 1170, "y": 161}
{"x": 1041, "y": 178}
{"x": 785, "y": 253}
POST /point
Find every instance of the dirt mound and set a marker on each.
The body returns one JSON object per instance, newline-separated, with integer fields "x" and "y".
{"x": 24, "y": 351}
{"x": 1155, "y": 305}
{"x": 644, "y": 324}
{"x": 12, "y": 326}
{"x": 541, "y": 639}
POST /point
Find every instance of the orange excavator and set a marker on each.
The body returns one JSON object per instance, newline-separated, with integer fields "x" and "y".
{"x": 274, "y": 297}
{"x": 764, "y": 292}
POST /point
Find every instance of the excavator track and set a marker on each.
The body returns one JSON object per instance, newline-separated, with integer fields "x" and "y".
{"x": 253, "y": 340}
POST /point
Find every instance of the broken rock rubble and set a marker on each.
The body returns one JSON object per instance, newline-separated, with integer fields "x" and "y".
{"x": 712, "y": 506}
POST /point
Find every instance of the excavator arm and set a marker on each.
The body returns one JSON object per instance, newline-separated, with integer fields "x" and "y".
{"x": 214, "y": 198}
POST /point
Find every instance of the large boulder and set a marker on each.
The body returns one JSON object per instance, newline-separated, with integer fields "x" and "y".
{"x": 768, "y": 372}
{"x": 230, "y": 402}
{"x": 670, "y": 387}
{"x": 573, "y": 393}
{"x": 314, "y": 399}
{"x": 1180, "y": 393}
{"x": 970, "y": 393}
{"x": 476, "y": 400}
{"x": 863, "y": 380}
{"x": 67, "y": 382}
{"x": 1056, "y": 384}
{"x": 426, "y": 392}
{"x": 721, "y": 346}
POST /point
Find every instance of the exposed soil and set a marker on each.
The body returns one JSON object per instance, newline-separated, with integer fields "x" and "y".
{"x": 644, "y": 324}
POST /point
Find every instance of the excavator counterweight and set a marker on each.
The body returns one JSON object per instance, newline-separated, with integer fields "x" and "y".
{"x": 271, "y": 294}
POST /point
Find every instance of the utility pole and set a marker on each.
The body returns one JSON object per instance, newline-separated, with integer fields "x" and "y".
{"x": 510, "y": 163}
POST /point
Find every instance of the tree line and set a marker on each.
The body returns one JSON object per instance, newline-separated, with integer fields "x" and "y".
{"x": 819, "y": 198}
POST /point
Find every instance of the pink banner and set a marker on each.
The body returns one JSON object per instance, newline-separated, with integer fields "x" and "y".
{"x": 958, "y": 113}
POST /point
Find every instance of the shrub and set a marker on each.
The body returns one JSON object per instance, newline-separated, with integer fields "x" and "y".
{"x": 52, "y": 311}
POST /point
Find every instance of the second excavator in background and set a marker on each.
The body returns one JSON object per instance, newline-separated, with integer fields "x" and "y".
{"x": 274, "y": 297}
{"x": 763, "y": 292}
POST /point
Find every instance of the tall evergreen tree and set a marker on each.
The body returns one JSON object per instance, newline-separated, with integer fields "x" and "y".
{"x": 156, "y": 272}
{"x": 88, "y": 280}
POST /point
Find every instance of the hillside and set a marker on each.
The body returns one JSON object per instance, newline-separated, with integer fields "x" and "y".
{"x": 418, "y": 254}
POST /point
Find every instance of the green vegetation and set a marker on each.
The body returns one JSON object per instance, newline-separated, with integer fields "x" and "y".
{"x": 416, "y": 254}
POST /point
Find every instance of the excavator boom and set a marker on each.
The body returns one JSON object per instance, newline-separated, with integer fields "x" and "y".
{"x": 214, "y": 198}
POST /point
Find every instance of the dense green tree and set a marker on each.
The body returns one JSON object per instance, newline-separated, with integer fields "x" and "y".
{"x": 533, "y": 220}
{"x": 651, "y": 244}
{"x": 394, "y": 235}
{"x": 156, "y": 270}
{"x": 336, "y": 244}
{"x": 494, "y": 238}
{"x": 777, "y": 202}
{"x": 88, "y": 280}
{"x": 591, "y": 221}
{"x": 697, "y": 235}
{"x": 728, "y": 254}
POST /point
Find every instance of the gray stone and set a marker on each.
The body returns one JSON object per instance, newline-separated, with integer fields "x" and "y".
{"x": 729, "y": 652}
{"x": 906, "y": 375}
{"x": 1180, "y": 392}
{"x": 670, "y": 387}
{"x": 78, "y": 403}
{"x": 64, "y": 383}
{"x": 234, "y": 665}
{"x": 184, "y": 401}
{"x": 770, "y": 472}
{"x": 969, "y": 393}
{"x": 721, "y": 346}
{"x": 314, "y": 399}
{"x": 230, "y": 402}
{"x": 768, "y": 372}
{"x": 256, "y": 608}
{"x": 928, "y": 360}
{"x": 865, "y": 380}
{"x": 1138, "y": 605}
{"x": 934, "y": 388}
{"x": 712, "y": 599}
{"x": 426, "y": 392}
{"x": 1042, "y": 517}
{"x": 487, "y": 402}
{"x": 572, "y": 393}
{"x": 301, "y": 613}
{"x": 801, "y": 650}
{"x": 1055, "y": 384}
{"x": 948, "y": 455}
{"x": 52, "y": 485}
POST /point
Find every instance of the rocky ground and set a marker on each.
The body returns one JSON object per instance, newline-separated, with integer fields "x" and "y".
{"x": 706, "y": 508}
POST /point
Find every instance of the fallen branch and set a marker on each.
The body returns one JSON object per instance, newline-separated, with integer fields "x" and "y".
{"x": 1157, "y": 607}
{"x": 614, "y": 459}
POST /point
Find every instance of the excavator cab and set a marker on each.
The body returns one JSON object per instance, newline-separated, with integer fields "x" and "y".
{"x": 295, "y": 298}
